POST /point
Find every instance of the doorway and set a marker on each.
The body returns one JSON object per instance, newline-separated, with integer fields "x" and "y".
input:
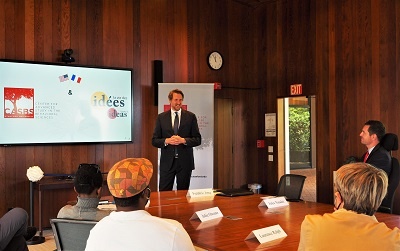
{"x": 224, "y": 172}
{"x": 296, "y": 141}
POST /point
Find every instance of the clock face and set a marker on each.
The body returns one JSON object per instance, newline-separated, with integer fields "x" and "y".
{"x": 215, "y": 60}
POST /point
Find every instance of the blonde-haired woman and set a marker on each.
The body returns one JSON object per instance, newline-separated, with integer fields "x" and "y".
{"x": 359, "y": 191}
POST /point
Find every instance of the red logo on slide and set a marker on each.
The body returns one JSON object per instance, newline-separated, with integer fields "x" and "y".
{"x": 112, "y": 113}
{"x": 18, "y": 102}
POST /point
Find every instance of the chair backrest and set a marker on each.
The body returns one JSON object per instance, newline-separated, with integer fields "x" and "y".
{"x": 394, "y": 180}
{"x": 390, "y": 143}
{"x": 70, "y": 234}
{"x": 291, "y": 186}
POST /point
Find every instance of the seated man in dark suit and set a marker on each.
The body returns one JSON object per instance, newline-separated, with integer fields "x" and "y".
{"x": 371, "y": 134}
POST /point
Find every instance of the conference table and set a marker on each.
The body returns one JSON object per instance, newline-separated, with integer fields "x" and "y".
{"x": 241, "y": 215}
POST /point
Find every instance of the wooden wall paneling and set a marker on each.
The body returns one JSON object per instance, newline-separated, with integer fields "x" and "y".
{"x": 324, "y": 62}
{"x": 56, "y": 152}
{"x": 92, "y": 33}
{"x": 100, "y": 157}
{"x": 91, "y": 154}
{"x": 21, "y": 180}
{"x": 260, "y": 75}
{"x": 113, "y": 154}
{"x": 162, "y": 40}
{"x": 366, "y": 59}
{"x": 239, "y": 62}
{"x": 3, "y": 185}
{"x": 135, "y": 57}
{"x": 47, "y": 15}
{"x": 2, "y": 30}
{"x": 395, "y": 127}
{"x": 66, "y": 156}
{"x": 10, "y": 177}
{"x": 252, "y": 129}
{"x": 158, "y": 32}
{"x": 114, "y": 33}
{"x": 29, "y": 30}
{"x": 343, "y": 37}
{"x": 197, "y": 37}
{"x": 65, "y": 19}
{"x": 130, "y": 9}
{"x": 207, "y": 39}
{"x": 79, "y": 31}
{"x": 43, "y": 155}
{"x": 39, "y": 30}
{"x": 57, "y": 31}
{"x": 19, "y": 25}
{"x": 233, "y": 64}
{"x": 181, "y": 44}
{"x": 146, "y": 41}
{"x": 272, "y": 82}
{"x": 9, "y": 28}
{"x": 223, "y": 146}
{"x": 298, "y": 37}
{"x": 240, "y": 161}
{"x": 387, "y": 62}
{"x": 191, "y": 30}
{"x": 326, "y": 103}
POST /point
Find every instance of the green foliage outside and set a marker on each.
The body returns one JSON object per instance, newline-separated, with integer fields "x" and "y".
{"x": 299, "y": 128}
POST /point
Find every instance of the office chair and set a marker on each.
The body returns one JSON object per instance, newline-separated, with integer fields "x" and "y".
{"x": 390, "y": 143}
{"x": 71, "y": 234}
{"x": 291, "y": 186}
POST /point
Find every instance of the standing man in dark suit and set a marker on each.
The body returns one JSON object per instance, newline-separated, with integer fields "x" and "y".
{"x": 371, "y": 134}
{"x": 176, "y": 133}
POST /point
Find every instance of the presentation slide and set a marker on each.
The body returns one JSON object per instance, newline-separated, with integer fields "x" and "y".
{"x": 46, "y": 103}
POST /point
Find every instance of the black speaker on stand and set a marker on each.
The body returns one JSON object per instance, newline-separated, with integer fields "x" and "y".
{"x": 158, "y": 78}
{"x": 35, "y": 239}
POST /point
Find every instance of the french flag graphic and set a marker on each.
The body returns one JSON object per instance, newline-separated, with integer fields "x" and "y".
{"x": 78, "y": 79}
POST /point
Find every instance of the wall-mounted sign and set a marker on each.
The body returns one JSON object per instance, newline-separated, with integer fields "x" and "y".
{"x": 296, "y": 89}
{"x": 270, "y": 125}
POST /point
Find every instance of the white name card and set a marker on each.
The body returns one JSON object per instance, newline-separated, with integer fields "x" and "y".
{"x": 274, "y": 202}
{"x": 200, "y": 192}
{"x": 197, "y": 199}
{"x": 267, "y": 234}
{"x": 207, "y": 214}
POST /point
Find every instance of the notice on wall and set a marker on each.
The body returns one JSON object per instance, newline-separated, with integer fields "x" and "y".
{"x": 270, "y": 125}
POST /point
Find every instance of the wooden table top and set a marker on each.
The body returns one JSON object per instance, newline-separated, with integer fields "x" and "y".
{"x": 241, "y": 216}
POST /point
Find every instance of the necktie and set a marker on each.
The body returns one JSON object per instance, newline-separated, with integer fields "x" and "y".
{"x": 366, "y": 156}
{"x": 176, "y": 126}
{"x": 176, "y": 123}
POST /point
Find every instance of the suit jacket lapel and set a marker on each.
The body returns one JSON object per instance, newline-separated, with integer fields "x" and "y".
{"x": 169, "y": 121}
{"x": 183, "y": 119}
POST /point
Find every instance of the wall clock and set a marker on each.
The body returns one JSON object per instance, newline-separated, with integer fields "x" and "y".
{"x": 215, "y": 60}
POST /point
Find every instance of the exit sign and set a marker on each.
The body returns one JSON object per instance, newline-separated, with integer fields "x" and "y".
{"x": 296, "y": 89}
